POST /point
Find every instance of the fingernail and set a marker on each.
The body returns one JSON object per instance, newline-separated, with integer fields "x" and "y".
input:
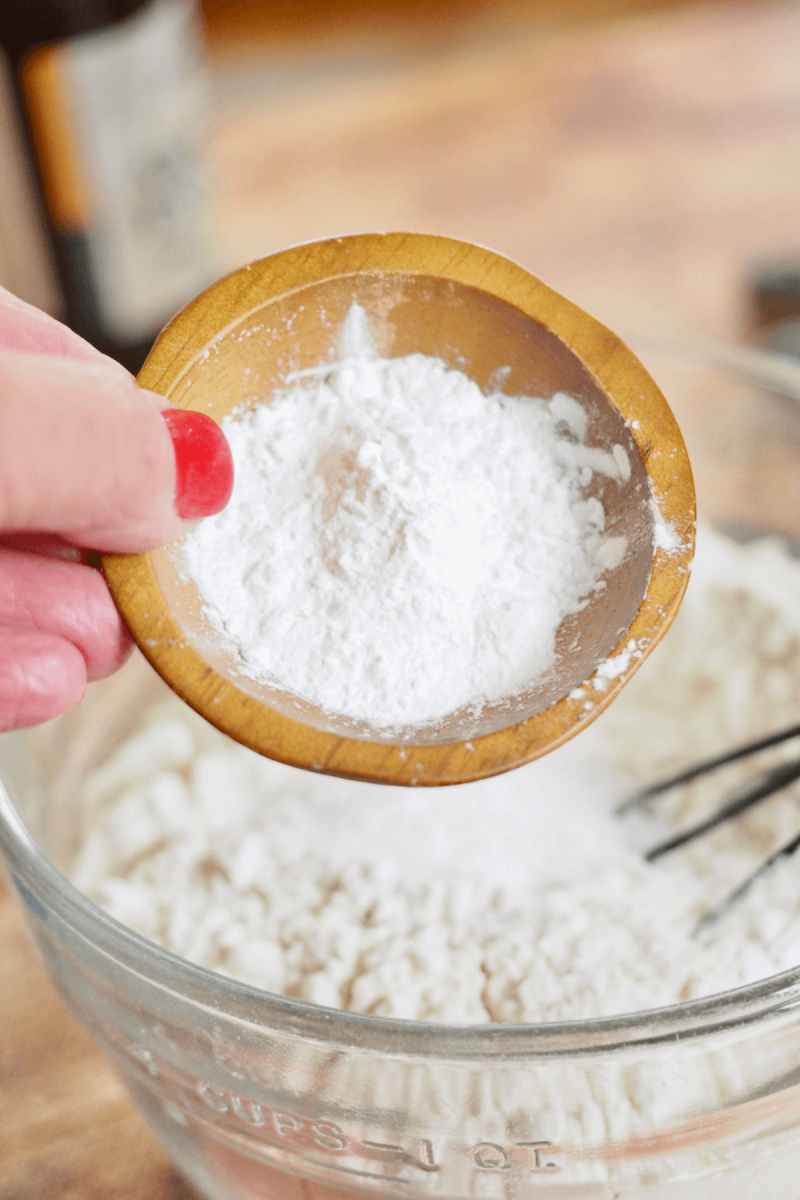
{"x": 203, "y": 464}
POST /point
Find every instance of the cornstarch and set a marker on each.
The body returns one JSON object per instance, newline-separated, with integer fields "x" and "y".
{"x": 515, "y": 899}
{"x": 400, "y": 545}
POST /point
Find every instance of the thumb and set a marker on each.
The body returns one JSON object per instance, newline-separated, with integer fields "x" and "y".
{"x": 87, "y": 454}
{"x": 23, "y": 327}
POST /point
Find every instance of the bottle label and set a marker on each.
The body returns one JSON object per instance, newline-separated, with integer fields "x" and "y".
{"x": 117, "y": 116}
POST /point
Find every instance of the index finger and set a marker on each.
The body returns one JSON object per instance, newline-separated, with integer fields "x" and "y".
{"x": 88, "y": 455}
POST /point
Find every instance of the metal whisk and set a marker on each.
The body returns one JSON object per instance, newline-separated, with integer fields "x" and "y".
{"x": 766, "y": 783}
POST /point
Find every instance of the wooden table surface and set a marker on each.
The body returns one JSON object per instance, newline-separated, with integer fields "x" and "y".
{"x": 640, "y": 167}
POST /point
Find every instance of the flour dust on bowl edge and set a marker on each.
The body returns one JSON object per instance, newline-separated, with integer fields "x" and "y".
{"x": 480, "y": 313}
{"x": 258, "y": 1097}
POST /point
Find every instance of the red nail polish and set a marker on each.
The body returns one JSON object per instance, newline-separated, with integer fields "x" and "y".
{"x": 203, "y": 462}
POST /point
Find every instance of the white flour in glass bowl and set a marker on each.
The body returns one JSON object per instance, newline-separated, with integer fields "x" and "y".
{"x": 515, "y": 899}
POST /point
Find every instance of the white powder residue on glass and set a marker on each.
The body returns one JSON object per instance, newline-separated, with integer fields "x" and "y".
{"x": 514, "y": 899}
{"x": 398, "y": 544}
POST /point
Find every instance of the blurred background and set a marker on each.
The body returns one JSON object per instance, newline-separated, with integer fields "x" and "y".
{"x": 640, "y": 156}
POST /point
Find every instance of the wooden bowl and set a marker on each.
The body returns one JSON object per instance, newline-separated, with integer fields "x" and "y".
{"x": 235, "y": 343}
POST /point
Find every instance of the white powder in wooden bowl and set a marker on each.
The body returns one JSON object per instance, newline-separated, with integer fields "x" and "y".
{"x": 518, "y": 898}
{"x": 400, "y": 545}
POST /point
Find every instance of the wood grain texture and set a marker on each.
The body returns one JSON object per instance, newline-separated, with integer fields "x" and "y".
{"x": 237, "y": 27}
{"x": 639, "y": 169}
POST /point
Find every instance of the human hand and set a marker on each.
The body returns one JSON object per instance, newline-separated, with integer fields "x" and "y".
{"x": 88, "y": 461}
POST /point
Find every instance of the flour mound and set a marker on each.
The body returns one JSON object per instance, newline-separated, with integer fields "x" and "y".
{"x": 519, "y": 898}
{"x": 400, "y": 545}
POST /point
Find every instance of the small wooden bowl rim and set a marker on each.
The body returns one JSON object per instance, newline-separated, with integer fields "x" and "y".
{"x": 619, "y": 374}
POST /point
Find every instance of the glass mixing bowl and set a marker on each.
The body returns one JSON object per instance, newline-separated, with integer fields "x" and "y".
{"x": 258, "y": 1096}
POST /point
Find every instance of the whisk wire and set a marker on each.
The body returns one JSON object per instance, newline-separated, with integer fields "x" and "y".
{"x": 706, "y": 765}
{"x": 767, "y": 783}
{"x": 711, "y": 918}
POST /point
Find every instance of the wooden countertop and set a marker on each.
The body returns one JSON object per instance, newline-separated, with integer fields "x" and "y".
{"x": 641, "y": 168}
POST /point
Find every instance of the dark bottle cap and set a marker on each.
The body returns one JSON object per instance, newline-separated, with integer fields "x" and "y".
{"x": 25, "y": 24}
{"x": 775, "y": 293}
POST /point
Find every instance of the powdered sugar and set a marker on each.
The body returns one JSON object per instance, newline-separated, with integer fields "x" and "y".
{"x": 400, "y": 545}
{"x": 515, "y": 899}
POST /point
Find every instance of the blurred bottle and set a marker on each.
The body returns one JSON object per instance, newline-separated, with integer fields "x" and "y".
{"x": 109, "y": 96}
